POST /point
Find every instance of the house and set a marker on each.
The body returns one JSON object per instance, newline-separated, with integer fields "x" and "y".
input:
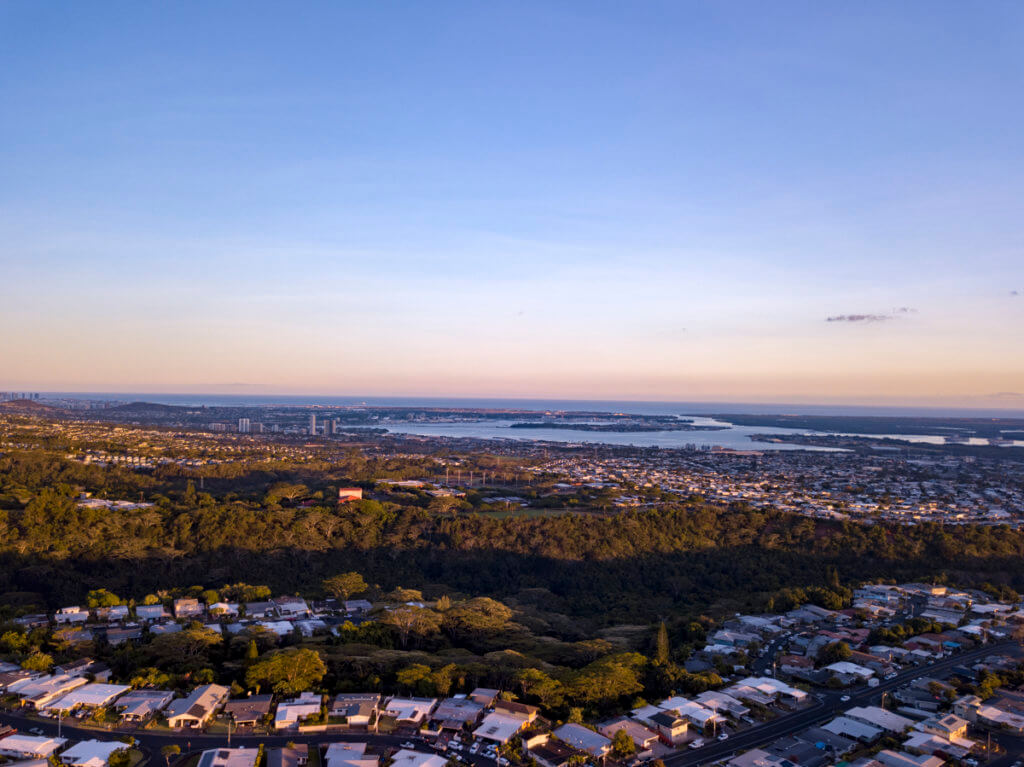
{"x": 583, "y": 738}
{"x": 949, "y": 726}
{"x": 112, "y": 614}
{"x": 510, "y": 707}
{"x": 187, "y": 608}
{"x": 291, "y": 712}
{"x": 74, "y": 614}
{"x": 151, "y": 612}
{"x": 291, "y": 607}
{"x": 853, "y": 729}
{"x": 410, "y": 711}
{"x": 248, "y": 712}
{"x": 757, "y": 757}
{"x": 902, "y": 759}
{"x": 555, "y": 753}
{"x": 197, "y": 708}
{"x": 357, "y": 606}
{"x": 347, "y": 494}
{"x": 799, "y": 752}
{"x": 499, "y": 727}
{"x": 229, "y": 757}
{"x": 485, "y": 696}
{"x": 348, "y": 755}
{"x": 91, "y": 753}
{"x": 290, "y": 756}
{"x": 847, "y": 669}
{"x": 39, "y": 691}
{"x": 929, "y": 743}
{"x": 140, "y": 705}
{"x": 95, "y": 695}
{"x": 643, "y": 738}
{"x": 359, "y": 710}
{"x": 99, "y": 672}
{"x": 791, "y": 664}
{"x": 22, "y": 746}
{"x": 671, "y": 727}
{"x": 223, "y": 609}
{"x": 457, "y": 713}
{"x": 9, "y": 678}
{"x": 117, "y": 636}
{"x": 1001, "y": 718}
{"x": 880, "y": 718}
{"x": 409, "y": 758}
{"x": 720, "y": 701}
{"x": 259, "y": 609}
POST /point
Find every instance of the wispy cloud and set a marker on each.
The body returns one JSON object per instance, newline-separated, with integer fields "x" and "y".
{"x": 898, "y": 312}
{"x": 859, "y": 318}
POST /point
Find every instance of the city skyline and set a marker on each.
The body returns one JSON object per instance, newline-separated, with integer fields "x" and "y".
{"x": 659, "y": 202}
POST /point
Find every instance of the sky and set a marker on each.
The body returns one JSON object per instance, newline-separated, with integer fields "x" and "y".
{"x": 793, "y": 201}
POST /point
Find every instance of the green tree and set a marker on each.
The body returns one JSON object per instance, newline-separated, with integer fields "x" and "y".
{"x": 834, "y": 652}
{"x": 622, "y": 744}
{"x": 14, "y": 641}
{"x": 150, "y": 677}
{"x": 169, "y": 751}
{"x": 662, "y": 651}
{"x": 38, "y": 661}
{"x": 103, "y": 598}
{"x": 410, "y": 621}
{"x": 477, "y": 617}
{"x": 287, "y": 672}
{"x": 414, "y": 677}
{"x": 344, "y": 585}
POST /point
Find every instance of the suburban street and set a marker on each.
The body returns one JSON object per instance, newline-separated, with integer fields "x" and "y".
{"x": 829, "y": 706}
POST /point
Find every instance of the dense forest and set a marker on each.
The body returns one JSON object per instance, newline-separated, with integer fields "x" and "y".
{"x": 678, "y": 561}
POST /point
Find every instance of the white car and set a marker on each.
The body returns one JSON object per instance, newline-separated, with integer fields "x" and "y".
{"x": 697, "y": 743}
{"x": 724, "y": 736}
{"x": 844, "y": 698}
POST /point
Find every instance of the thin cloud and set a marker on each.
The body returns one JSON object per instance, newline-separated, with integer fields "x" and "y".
{"x": 898, "y": 312}
{"x": 859, "y": 318}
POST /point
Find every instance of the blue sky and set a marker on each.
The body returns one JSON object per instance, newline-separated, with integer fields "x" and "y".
{"x": 663, "y": 200}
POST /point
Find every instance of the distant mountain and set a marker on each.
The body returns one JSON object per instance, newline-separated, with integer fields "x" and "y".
{"x": 146, "y": 407}
{"x": 27, "y": 406}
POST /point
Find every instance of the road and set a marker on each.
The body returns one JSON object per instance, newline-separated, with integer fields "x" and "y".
{"x": 829, "y": 706}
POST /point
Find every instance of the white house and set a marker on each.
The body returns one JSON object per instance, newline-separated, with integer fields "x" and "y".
{"x": 291, "y": 712}
{"x": 22, "y": 746}
{"x": 198, "y": 707}
{"x": 91, "y": 753}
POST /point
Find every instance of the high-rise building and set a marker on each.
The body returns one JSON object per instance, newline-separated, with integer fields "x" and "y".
{"x": 243, "y": 425}
{"x": 312, "y": 423}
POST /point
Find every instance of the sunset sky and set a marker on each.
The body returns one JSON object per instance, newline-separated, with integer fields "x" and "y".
{"x": 794, "y": 201}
